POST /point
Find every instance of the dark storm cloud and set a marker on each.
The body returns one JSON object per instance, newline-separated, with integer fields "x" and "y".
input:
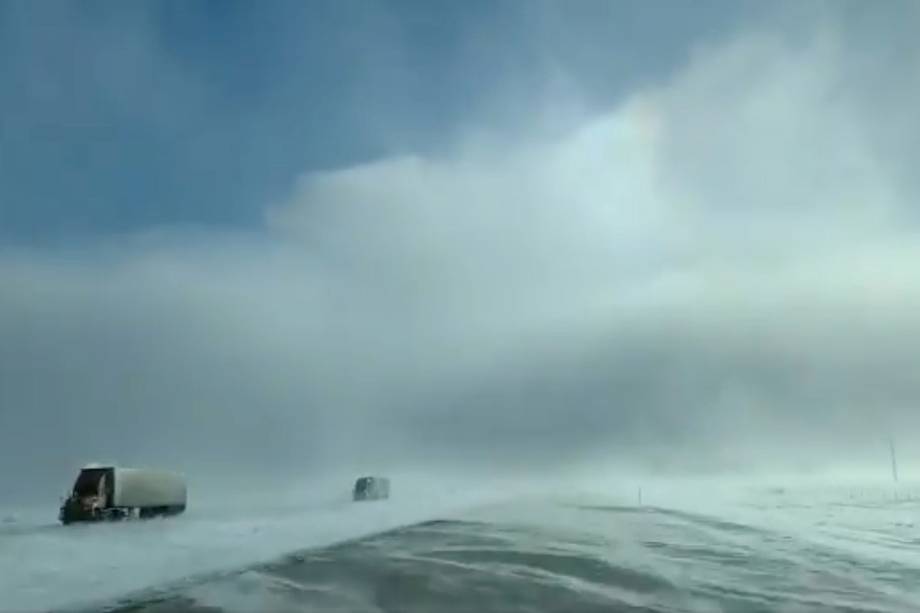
{"x": 115, "y": 117}
{"x": 718, "y": 271}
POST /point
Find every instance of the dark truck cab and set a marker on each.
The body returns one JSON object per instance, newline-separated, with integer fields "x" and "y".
{"x": 91, "y": 496}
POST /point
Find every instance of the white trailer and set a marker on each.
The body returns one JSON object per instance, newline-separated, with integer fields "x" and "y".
{"x": 109, "y": 492}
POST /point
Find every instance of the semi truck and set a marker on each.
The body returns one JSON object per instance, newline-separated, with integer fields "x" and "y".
{"x": 105, "y": 493}
{"x": 371, "y": 488}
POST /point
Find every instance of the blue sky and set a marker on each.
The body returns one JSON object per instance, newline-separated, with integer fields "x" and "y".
{"x": 116, "y": 116}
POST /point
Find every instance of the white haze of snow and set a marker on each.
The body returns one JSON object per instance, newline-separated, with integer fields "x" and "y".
{"x": 748, "y": 213}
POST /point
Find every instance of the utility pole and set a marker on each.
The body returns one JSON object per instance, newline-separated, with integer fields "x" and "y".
{"x": 894, "y": 460}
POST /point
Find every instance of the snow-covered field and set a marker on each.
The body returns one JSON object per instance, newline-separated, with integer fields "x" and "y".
{"x": 45, "y": 566}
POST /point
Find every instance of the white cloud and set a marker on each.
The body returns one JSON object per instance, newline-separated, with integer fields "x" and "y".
{"x": 727, "y": 250}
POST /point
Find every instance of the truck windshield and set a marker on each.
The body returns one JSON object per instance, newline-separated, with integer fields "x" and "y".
{"x": 88, "y": 482}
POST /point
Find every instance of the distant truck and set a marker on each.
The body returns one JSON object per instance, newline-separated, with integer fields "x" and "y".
{"x": 104, "y": 493}
{"x": 372, "y": 488}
